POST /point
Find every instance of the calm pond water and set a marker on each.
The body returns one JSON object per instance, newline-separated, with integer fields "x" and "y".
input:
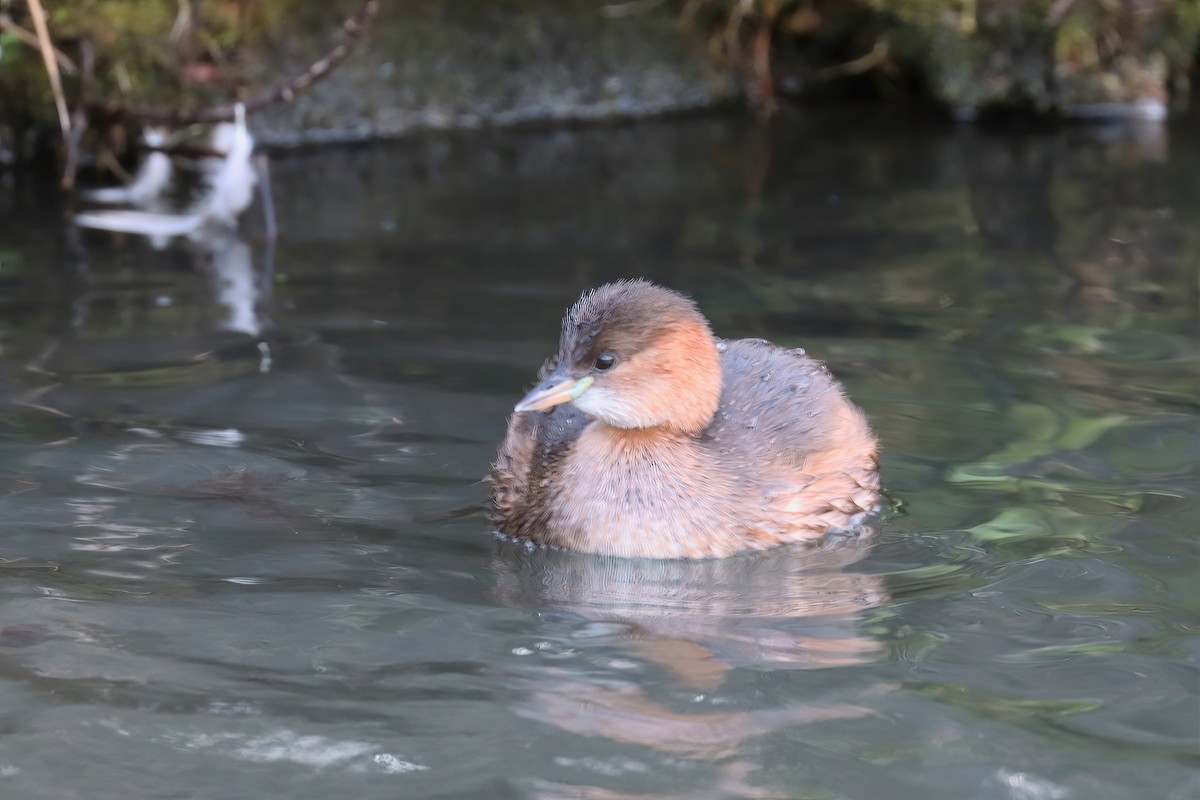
{"x": 243, "y": 550}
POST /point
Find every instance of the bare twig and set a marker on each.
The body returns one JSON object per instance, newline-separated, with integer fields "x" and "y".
{"x": 109, "y": 162}
{"x": 865, "y": 63}
{"x": 43, "y": 34}
{"x": 764, "y": 95}
{"x": 183, "y": 21}
{"x": 64, "y": 61}
{"x": 733, "y": 27}
{"x": 353, "y": 31}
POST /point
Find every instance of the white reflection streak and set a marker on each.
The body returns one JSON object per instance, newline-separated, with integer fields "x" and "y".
{"x": 215, "y": 437}
{"x": 309, "y": 750}
{"x": 115, "y": 537}
{"x": 152, "y": 179}
{"x": 1024, "y": 786}
{"x": 211, "y": 222}
{"x": 230, "y": 189}
{"x": 237, "y": 289}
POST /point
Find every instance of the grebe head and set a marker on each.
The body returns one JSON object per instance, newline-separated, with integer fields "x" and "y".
{"x": 634, "y": 355}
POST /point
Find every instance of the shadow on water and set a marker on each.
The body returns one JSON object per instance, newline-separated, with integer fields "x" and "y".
{"x": 240, "y": 488}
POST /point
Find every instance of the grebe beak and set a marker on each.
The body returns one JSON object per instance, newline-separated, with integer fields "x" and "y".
{"x": 558, "y": 387}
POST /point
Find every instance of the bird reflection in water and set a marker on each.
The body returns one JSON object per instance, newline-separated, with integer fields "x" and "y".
{"x": 695, "y": 622}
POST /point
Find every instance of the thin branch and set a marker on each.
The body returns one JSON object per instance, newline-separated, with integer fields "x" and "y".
{"x": 733, "y": 27}
{"x": 183, "y": 21}
{"x": 109, "y": 162}
{"x": 64, "y": 61}
{"x": 353, "y": 31}
{"x": 864, "y": 63}
{"x": 43, "y": 34}
{"x": 764, "y": 95}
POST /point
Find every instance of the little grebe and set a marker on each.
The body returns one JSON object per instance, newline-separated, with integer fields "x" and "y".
{"x": 649, "y": 437}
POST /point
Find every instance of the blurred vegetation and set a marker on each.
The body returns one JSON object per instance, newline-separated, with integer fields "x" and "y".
{"x": 147, "y": 51}
{"x": 1044, "y": 56}
{"x": 142, "y": 59}
{"x": 969, "y": 54}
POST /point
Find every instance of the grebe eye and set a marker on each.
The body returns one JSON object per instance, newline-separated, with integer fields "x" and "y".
{"x": 605, "y": 361}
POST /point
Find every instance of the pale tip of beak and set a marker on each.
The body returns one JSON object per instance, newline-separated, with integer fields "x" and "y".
{"x": 548, "y": 396}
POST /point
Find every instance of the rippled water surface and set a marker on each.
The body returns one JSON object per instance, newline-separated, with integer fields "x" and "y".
{"x": 244, "y": 553}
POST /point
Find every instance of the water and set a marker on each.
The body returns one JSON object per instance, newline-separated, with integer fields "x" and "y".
{"x": 243, "y": 552}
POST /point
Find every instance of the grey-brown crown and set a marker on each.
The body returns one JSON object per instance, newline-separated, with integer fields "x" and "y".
{"x": 624, "y": 318}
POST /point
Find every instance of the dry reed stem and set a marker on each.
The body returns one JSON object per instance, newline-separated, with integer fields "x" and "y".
{"x": 47, "y": 47}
